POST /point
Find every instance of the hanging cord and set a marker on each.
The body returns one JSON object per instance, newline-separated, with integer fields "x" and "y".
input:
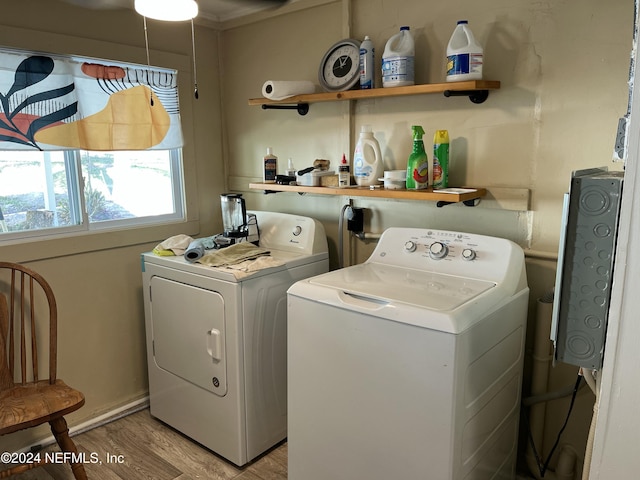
{"x": 340, "y": 236}
{"x": 146, "y": 44}
{"x": 541, "y": 467}
{"x": 195, "y": 73}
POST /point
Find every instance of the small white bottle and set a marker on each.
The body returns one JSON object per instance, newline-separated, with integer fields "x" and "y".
{"x": 344, "y": 173}
{"x": 464, "y": 55}
{"x": 270, "y": 167}
{"x": 367, "y": 62}
{"x": 291, "y": 170}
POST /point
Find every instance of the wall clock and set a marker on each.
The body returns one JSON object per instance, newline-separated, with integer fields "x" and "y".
{"x": 340, "y": 67}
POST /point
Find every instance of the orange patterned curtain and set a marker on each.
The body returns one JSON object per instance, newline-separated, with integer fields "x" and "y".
{"x": 61, "y": 103}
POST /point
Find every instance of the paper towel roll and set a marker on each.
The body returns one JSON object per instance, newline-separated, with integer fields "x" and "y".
{"x": 281, "y": 89}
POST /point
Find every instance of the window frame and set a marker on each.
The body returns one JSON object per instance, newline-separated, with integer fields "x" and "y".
{"x": 80, "y": 221}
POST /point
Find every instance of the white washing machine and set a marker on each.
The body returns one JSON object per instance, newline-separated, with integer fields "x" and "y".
{"x": 216, "y": 346}
{"x": 410, "y": 364}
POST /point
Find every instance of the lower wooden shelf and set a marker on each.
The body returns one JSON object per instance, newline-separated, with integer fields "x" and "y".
{"x": 467, "y": 195}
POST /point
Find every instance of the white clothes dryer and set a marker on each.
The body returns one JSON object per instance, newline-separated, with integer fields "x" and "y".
{"x": 410, "y": 364}
{"x": 216, "y": 345}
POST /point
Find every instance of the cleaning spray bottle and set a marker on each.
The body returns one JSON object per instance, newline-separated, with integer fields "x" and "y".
{"x": 418, "y": 163}
{"x": 441, "y": 159}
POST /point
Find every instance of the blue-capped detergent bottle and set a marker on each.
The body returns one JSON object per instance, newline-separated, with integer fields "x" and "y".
{"x": 368, "y": 165}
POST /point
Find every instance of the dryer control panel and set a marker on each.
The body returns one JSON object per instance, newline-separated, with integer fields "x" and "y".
{"x": 455, "y": 253}
{"x": 293, "y": 233}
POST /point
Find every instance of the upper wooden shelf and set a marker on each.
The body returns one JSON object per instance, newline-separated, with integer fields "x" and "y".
{"x": 442, "y": 198}
{"x": 476, "y": 90}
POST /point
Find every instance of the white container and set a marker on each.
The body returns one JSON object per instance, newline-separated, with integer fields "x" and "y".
{"x": 394, "y": 179}
{"x": 398, "y": 60}
{"x": 367, "y": 63}
{"x": 291, "y": 170}
{"x": 368, "y": 165}
{"x": 313, "y": 179}
{"x": 464, "y": 55}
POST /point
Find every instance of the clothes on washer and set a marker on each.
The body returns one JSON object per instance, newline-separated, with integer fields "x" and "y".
{"x": 232, "y": 255}
{"x": 175, "y": 245}
{"x": 249, "y": 267}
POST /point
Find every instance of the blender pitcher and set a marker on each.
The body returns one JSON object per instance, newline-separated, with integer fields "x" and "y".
{"x": 234, "y": 215}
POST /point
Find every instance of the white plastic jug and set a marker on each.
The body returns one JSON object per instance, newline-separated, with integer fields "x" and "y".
{"x": 464, "y": 55}
{"x": 368, "y": 165}
{"x": 398, "y": 60}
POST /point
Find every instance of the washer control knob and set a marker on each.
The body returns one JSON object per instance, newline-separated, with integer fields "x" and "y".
{"x": 468, "y": 254}
{"x": 438, "y": 250}
{"x": 410, "y": 246}
{"x": 297, "y": 230}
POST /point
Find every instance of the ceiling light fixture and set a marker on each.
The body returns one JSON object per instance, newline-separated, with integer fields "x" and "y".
{"x": 168, "y": 10}
{"x": 171, "y": 11}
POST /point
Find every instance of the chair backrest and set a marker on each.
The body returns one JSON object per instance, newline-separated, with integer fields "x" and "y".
{"x": 27, "y": 308}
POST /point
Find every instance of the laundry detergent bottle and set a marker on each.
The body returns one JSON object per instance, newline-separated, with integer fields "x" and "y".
{"x": 418, "y": 162}
{"x": 368, "y": 165}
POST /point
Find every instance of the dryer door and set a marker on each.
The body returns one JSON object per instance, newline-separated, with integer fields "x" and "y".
{"x": 189, "y": 333}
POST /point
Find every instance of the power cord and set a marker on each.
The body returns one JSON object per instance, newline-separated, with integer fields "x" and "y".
{"x": 543, "y": 467}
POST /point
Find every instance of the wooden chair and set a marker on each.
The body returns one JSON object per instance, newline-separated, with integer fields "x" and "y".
{"x": 27, "y": 305}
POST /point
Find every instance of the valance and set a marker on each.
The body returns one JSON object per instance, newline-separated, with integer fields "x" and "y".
{"x": 51, "y": 102}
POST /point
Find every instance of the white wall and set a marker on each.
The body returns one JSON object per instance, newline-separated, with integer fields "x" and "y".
{"x": 617, "y": 431}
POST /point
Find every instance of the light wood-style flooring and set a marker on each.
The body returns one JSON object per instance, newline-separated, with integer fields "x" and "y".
{"x": 151, "y": 450}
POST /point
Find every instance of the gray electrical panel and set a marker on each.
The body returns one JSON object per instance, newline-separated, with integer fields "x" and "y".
{"x": 585, "y": 267}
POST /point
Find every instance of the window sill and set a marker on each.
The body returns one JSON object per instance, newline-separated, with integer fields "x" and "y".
{"x": 32, "y": 249}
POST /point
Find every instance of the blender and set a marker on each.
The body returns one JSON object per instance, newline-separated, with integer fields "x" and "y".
{"x": 237, "y": 224}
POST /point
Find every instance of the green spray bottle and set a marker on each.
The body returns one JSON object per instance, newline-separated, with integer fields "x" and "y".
{"x": 441, "y": 159}
{"x": 418, "y": 163}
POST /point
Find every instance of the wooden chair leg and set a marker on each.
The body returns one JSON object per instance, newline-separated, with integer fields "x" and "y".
{"x": 61, "y": 433}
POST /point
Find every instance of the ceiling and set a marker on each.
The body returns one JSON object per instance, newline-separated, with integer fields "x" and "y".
{"x": 213, "y": 10}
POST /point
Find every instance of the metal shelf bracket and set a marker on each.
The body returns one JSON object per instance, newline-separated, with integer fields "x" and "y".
{"x": 476, "y": 96}
{"x": 469, "y": 203}
{"x": 302, "y": 108}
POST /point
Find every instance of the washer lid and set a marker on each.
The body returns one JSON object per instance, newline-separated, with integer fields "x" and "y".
{"x": 398, "y": 285}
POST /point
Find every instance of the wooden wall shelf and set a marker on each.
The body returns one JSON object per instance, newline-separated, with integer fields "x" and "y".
{"x": 441, "y": 198}
{"x": 476, "y": 90}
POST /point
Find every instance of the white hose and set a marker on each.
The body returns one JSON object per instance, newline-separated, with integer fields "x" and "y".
{"x": 539, "y": 378}
{"x": 594, "y": 383}
{"x": 340, "y": 236}
{"x": 367, "y": 236}
{"x": 542, "y": 357}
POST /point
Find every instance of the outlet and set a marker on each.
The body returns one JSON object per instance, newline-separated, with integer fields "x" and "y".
{"x": 355, "y": 219}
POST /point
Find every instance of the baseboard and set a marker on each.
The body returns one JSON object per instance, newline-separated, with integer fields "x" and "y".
{"x": 109, "y": 416}
{"x": 95, "y": 422}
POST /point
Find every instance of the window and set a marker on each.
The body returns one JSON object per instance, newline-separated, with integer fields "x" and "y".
{"x": 50, "y": 192}
{"x": 87, "y": 144}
